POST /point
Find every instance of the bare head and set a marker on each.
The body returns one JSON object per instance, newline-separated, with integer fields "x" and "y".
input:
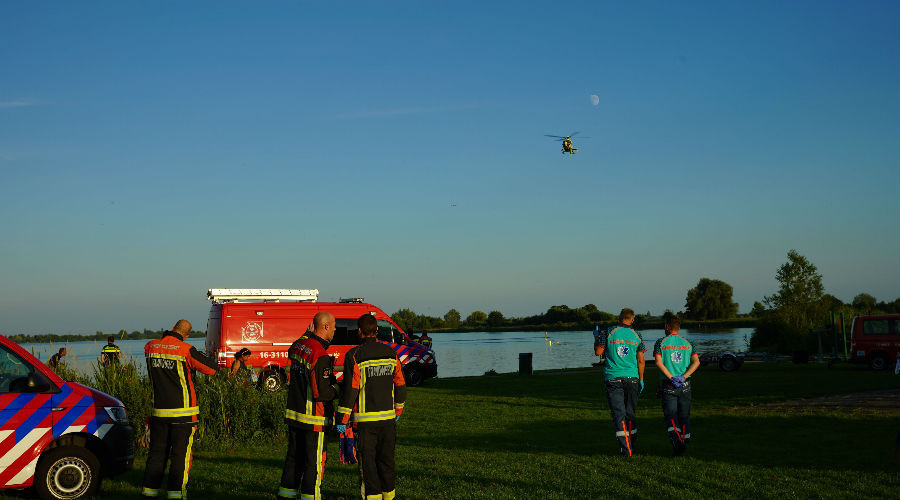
{"x": 626, "y": 317}
{"x": 182, "y": 327}
{"x": 673, "y": 324}
{"x": 110, "y": 340}
{"x": 368, "y": 325}
{"x": 323, "y": 322}
{"x": 62, "y": 351}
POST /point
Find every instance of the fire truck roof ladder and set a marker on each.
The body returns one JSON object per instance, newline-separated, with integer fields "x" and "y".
{"x": 220, "y": 295}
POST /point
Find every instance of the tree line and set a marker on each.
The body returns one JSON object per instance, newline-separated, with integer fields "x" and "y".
{"x": 123, "y": 334}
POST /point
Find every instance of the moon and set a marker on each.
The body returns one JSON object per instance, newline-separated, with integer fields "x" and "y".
{"x": 595, "y": 100}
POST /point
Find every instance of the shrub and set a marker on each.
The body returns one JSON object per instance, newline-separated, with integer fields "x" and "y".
{"x": 773, "y": 334}
{"x": 231, "y": 411}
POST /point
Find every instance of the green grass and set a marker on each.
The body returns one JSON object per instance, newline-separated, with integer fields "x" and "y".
{"x": 551, "y": 437}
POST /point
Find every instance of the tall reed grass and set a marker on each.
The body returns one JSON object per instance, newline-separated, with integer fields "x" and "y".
{"x": 232, "y": 412}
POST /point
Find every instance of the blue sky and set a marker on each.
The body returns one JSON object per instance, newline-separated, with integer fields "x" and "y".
{"x": 152, "y": 150}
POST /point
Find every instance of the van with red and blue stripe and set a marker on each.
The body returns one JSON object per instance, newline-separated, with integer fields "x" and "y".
{"x": 268, "y": 321}
{"x": 61, "y": 438}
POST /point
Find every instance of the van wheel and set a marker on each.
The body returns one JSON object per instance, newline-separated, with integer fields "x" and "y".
{"x": 271, "y": 381}
{"x": 878, "y": 362}
{"x": 728, "y": 364}
{"x": 69, "y": 472}
{"x": 413, "y": 375}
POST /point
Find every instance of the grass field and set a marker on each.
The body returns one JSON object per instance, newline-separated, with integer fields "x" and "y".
{"x": 549, "y": 436}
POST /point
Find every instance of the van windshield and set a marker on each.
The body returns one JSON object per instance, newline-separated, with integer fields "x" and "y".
{"x": 387, "y": 333}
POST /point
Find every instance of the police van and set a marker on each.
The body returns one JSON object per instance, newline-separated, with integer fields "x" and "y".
{"x": 59, "y": 437}
{"x": 268, "y": 321}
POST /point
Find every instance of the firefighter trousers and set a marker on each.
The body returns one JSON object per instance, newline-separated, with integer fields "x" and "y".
{"x": 676, "y": 406}
{"x": 622, "y": 395}
{"x": 304, "y": 465}
{"x": 375, "y": 442}
{"x": 169, "y": 442}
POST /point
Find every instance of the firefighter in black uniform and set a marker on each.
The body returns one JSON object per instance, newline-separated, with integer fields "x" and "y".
{"x": 309, "y": 410}
{"x": 374, "y": 392}
{"x": 170, "y": 364}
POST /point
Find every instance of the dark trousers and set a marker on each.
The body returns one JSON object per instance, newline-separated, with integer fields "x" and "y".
{"x": 676, "y": 406}
{"x": 304, "y": 465}
{"x": 622, "y": 394}
{"x": 169, "y": 441}
{"x": 375, "y": 442}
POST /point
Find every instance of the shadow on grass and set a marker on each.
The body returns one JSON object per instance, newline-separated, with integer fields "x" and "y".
{"x": 816, "y": 441}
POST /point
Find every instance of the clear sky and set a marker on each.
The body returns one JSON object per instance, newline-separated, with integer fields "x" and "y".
{"x": 396, "y": 151}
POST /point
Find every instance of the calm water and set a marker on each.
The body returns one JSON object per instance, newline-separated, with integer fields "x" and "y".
{"x": 462, "y": 354}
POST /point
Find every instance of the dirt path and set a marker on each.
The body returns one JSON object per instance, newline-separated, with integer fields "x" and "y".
{"x": 883, "y": 400}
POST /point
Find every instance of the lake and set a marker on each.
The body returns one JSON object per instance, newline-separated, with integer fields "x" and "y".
{"x": 463, "y": 354}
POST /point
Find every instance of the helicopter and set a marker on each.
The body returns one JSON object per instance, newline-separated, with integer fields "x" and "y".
{"x": 567, "y": 145}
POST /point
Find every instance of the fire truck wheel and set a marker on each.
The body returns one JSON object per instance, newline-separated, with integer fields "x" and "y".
{"x": 413, "y": 374}
{"x": 69, "y": 472}
{"x": 271, "y": 381}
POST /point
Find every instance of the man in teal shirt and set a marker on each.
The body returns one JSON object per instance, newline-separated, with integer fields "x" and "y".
{"x": 623, "y": 376}
{"x": 676, "y": 360}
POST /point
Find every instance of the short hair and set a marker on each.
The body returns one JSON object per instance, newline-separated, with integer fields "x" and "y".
{"x": 368, "y": 325}
{"x": 626, "y": 313}
{"x": 182, "y": 326}
{"x": 62, "y": 350}
{"x": 673, "y": 324}
{"x": 110, "y": 339}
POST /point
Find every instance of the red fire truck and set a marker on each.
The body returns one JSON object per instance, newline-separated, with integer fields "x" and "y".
{"x": 268, "y": 321}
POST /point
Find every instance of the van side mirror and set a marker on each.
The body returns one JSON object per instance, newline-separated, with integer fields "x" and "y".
{"x": 38, "y": 383}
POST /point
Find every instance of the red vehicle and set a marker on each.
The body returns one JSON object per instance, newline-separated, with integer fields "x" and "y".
{"x": 268, "y": 321}
{"x": 875, "y": 340}
{"x": 59, "y": 437}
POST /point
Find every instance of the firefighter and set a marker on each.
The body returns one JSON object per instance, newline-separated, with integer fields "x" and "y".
{"x": 623, "y": 376}
{"x": 57, "y": 358}
{"x": 374, "y": 392}
{"x": 425, "y": 340}
{"x": 677, "y": 360}
{"x": 309, "y": 410}
{"x": 110, "y": 353}
{"x": 170, "y": 365}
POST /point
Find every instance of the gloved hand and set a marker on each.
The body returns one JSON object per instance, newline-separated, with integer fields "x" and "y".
{"x": 642, "y": 385}
{"x": 597, "y": 333}
{"x": 678, "y": 381}
{"x": 340, "y": 428}
{"x": 397, "y": 418}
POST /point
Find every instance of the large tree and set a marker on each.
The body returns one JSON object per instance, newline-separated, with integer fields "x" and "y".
{"x": 798, "y": 300}
{"x": 710, "y": 299}
{"x": 495, "y": 318}
{"x": 477, "y": 318}
{"x": 864, "y": 302}
{"x": 452, "y": 318}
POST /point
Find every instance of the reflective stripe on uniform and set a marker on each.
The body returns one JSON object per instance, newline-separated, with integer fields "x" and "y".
{"x": 150, "y": 492}
{"x": 176, "y": 412}
{"x": 306, "y": 419}
{"x": 388, "y": 495}
{"x": 188, "y": 460}
{"x": 174, "y": 494}
{"x": 374, "y": 415}
{"x": 320, "y": 464}
{"x": 287, "y": 492}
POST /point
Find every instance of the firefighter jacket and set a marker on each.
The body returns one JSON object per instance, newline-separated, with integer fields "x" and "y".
{"x": 312, "y": 385}
{"x": 374, "y": 389}
{"x": 170, "y": 364}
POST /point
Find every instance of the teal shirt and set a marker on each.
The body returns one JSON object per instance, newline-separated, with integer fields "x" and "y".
{"x": 675, "y": 352}
{"x": 621, "y": 346}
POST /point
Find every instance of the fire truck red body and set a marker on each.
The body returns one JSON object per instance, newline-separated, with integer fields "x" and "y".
{"x": 268, "y": 321}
